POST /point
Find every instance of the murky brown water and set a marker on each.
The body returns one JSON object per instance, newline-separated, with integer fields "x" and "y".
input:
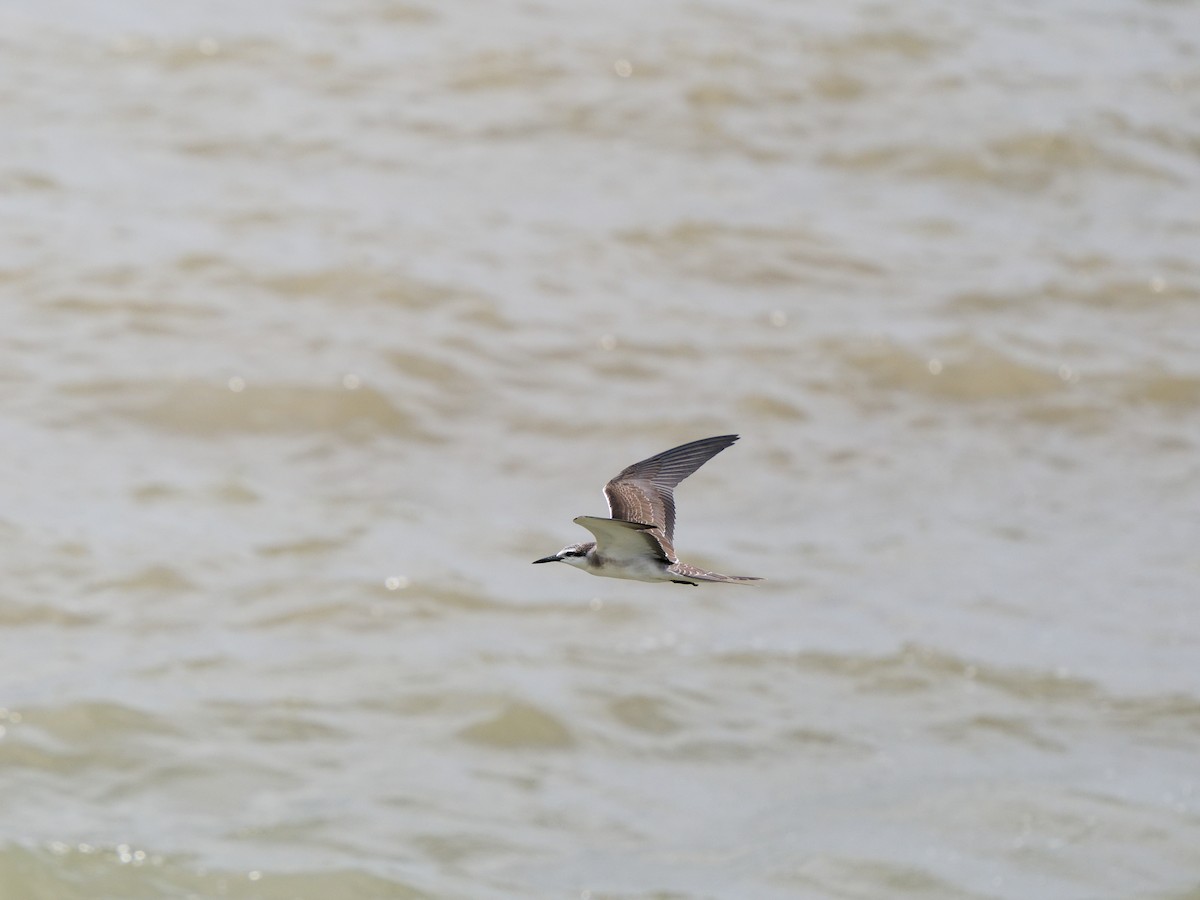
{"x": 319, "y": 321}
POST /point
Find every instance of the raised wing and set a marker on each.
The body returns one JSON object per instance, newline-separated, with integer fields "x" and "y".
{"x": 621, "y": 541}
{"x": 644, "y": 492}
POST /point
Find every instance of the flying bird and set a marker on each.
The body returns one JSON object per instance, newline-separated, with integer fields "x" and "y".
{"x": 636, "y": 542}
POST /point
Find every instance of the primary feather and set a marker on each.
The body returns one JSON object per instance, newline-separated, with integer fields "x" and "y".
{"x": 645, "y": 491}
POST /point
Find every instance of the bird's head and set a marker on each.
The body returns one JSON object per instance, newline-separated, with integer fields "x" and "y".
{"x": 572, "y": 554}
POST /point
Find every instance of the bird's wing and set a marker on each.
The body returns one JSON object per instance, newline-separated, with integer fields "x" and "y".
{"x": 644, "y": 492}
{"x": 618, "y": 540}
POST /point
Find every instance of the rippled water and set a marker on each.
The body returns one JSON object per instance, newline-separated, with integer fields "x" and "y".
{"x": 320, "y": 321}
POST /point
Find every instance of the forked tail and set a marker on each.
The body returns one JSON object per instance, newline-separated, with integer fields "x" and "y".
{"x": 685, "y": 571}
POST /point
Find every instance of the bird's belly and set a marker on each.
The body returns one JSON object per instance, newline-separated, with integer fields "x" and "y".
{"x": 634, "y": 569}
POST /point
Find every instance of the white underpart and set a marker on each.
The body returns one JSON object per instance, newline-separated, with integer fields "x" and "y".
{"x": 635, "y": 568}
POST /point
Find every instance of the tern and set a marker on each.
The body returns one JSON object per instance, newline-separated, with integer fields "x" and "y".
{"x": 636, "y": 542}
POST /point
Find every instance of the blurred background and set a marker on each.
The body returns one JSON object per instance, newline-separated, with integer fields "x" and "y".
{"x": 320, "y": 320}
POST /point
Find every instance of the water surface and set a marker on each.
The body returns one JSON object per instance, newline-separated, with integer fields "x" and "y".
{"x": 320, "y": 321}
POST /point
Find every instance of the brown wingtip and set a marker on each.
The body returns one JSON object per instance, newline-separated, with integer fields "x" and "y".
{"x": 689, "y": 571}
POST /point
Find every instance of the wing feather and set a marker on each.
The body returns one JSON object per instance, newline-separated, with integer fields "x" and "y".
{"x": 644, "y": 492}
{"x": 620, "y": 540}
